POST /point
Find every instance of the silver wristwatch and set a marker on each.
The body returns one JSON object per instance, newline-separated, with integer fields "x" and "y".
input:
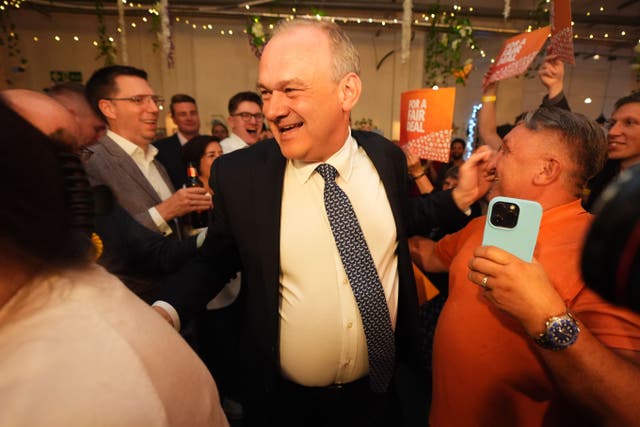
{"x": 560, "y": 332}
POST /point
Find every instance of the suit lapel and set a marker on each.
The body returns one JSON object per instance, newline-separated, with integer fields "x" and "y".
{"x": 127, "y": 166}
{"x": 268, "y": 180}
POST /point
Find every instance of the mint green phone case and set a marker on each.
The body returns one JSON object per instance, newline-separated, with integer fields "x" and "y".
{"x": 520, "y": 240}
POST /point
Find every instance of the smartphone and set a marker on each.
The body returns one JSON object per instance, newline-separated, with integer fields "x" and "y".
{"x": 512, "y": 225}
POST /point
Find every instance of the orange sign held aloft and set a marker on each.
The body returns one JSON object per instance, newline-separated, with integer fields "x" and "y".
{"x": 516, "y": 55}
{"x": 426, "y": 116}
{"x": 561, "y": 43}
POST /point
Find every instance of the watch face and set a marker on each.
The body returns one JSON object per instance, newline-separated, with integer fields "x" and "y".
{"x": 563, "y": 332}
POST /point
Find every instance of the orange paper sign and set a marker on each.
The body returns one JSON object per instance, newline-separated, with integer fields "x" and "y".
{"x": 426, "y": 116}
{"x": 516, "y": 55}
{"x": 561, "y": 43}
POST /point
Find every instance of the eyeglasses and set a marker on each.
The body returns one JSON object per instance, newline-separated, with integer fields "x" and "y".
{"x": 141, "y": 100}
{"x": 247, "y": 116}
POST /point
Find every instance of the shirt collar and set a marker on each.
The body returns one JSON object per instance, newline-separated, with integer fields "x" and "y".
{"x": 342, "y": 160}
{"x": 238, "y": 139}
{"x": 183, "y": 139}
{"x": 132, "y": 149}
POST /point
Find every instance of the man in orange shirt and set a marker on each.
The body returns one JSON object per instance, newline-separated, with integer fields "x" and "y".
{"x": 503, "y": 337}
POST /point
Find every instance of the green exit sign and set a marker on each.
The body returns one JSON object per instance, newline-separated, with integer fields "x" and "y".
{"x": 65, "y": 76}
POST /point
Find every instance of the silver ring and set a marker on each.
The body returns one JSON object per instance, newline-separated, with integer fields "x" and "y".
{"x": 484, "y": 281}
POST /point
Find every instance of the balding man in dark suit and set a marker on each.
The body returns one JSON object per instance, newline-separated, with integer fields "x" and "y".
{"x": 316, "y": 353}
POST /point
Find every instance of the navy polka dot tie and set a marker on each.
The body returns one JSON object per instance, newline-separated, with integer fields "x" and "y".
{"x": 364, "y": 280}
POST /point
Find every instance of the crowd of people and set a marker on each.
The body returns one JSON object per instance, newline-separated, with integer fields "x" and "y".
{"x": 298, "y": 303}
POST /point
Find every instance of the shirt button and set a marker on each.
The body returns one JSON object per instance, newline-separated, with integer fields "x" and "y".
{"x": 349, "y": 324}
{"x": 347, "y": 363}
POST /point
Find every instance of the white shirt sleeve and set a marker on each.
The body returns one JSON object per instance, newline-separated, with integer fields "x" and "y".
{"x": 159, "y": 221}
{"x": 175, "y": 318}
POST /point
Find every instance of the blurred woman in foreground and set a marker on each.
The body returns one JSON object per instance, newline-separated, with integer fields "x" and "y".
{"x": 77, "y": 348}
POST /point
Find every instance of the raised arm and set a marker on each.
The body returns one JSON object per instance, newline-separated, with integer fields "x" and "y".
{"x": 487, "y": 118}
{"x": 418, "y": 173}
{"x": 551, "y": 75}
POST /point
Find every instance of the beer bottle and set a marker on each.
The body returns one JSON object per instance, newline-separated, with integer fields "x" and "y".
{"x": 198, "y": 219}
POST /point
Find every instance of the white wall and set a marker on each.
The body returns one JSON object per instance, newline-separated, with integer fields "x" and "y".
{"x": 212, "y": 67}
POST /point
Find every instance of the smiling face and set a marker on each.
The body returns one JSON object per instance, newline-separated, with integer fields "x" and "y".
{"x": 137, "y": 123}
{"x": 307, "y": 110}
{"x": 623, "y": 136}
{"x": 247, "y": 130}
{"x": 211, "y": 153}
{"x": 518, "y": 161}
{"x": 185, "y": 116}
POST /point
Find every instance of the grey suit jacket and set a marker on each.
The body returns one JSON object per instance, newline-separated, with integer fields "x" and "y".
{"x": 110, "y": 165}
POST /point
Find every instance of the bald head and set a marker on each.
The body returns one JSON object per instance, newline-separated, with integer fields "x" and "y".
{"x": 72, "y": 96}
{"x": 41, "y": 111}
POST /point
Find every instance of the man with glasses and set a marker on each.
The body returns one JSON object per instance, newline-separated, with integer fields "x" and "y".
{"x": 124, "y": 158}
{"x": 245, "y": 120}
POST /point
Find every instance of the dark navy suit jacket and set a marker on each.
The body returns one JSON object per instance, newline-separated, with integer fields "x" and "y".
{"x": 170, "y": 155}
{"x": 244, "y": 234}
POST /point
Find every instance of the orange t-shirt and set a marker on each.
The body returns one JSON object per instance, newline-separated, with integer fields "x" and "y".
{"x": 485, "y": 371}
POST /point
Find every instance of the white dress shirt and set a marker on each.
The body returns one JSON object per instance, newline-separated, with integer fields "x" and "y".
{"x": 322, "y": 339}
{"x": 181, "y": 138}
{"x": 232, "y": 143}
{"x": 144, "y": 161}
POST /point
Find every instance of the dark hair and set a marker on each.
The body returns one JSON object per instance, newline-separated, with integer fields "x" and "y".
{"x": 504, "y": 129}
{"x": 241, "y": 97}
{"x": 47, "y": 229}
{"x": 582, "y": 137}
{"x": 611, "y": 254}
{"x": 634, "y": 97}
{"x": 458, "y": 141}
{"x": 180, "y": 97}
{"x": 193, "y": 150}
{"x": 102, "y": 84}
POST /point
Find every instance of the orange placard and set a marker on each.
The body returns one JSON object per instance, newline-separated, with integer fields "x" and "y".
{"x": 561, "y": 42}
{"x": 426, "y": 116}
{"x": 516, "y": 55}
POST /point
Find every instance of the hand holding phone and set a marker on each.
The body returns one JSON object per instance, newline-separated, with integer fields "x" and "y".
{"x": 512, "y": 225}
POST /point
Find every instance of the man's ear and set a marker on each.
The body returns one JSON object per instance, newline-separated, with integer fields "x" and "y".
{"x": 107, "y": 108}
{"x": 350, "y": 89}
{"x": 549, "y": 171}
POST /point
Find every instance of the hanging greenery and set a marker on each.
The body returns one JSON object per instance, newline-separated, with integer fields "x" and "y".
{"x": 106, "y": 47}
{"x": 164, "y": 35}
{"x": 257, "y": 36}
{"x": 10, "y": 46}
{"x": 448, "y": 43}
{"x": 540, "y": 14}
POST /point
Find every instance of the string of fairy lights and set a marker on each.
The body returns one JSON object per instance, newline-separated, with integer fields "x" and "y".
{"x": 422, "y": 20}
{"x": 472, "y": 124}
